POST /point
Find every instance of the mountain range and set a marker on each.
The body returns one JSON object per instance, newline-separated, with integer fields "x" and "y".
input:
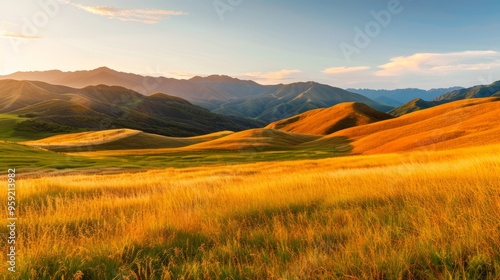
{"x": 398, "y": 97}
{"x": 83, "y": 102}
{"x": 492, "y": 90}
{"x": 218, "y": 93}
{"x": 65, "y": 109}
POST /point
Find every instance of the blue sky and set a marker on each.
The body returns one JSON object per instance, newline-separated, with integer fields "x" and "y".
{"x": 345, "y": 43}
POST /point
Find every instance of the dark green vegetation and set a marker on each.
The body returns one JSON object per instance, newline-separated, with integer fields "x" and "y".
{"x": 284, "y": 101}
{"x": 28, "y": 158}
{"x": 473, "y": 92}
{"x": 15, "y": 128}
{"x": 56, "y": 109}
{"x": 412, "y": 106}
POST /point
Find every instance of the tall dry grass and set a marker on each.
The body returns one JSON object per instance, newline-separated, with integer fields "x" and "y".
{"x": 421, "y": 215}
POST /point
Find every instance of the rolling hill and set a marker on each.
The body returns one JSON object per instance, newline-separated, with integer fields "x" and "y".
{"x": 459, "y": 124}
{"x": 464, "y": 123}
{"x": 218, "y": 93}
{"x": 117, "y": 139}
{"x": 51, "y": 108}
{"x": 127, "y": 141}
{"x": 329, "y": 120}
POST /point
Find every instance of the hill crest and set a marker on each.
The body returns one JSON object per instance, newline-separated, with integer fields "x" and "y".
{"x": 329, "y": 120}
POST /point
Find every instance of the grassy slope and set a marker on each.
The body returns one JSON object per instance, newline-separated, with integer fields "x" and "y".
{"x": 24, "y": 157}
{"x": 464, "y": 123}
{"x": 406, "y": 216}
{"x": 329, "y": 120}
{"x": 7, "y": 132}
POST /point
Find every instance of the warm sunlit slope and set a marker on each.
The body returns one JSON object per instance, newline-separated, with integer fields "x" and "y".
{"x": 18, "y": 94}
{"x": 248, "y": 140}
{"x": 329, "y": 120}
{"x": 118, "y": 139}
{"x": 464, "y": 123}
{"x": 259, "y": 139}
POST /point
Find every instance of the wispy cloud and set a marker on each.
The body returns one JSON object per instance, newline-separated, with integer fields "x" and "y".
{"x": 440, "y": 63}
{"x": 6, "y": 28}
{"x": 135, "y": 15}
{"x": 271, "y": 77}
{"x": 342, "y": 70}
{"x": 7, "y": 34}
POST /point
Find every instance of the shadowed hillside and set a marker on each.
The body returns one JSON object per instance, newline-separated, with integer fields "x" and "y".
{"x": 285, "y": 101}
{"x": 458, "y": 124}
{"x": 412, "y": 106}
{"x": 492, "y": 90}
{"x": 59, "y": 109}
{"x": 473, "y": 92}
{"x": 118, "y": 139}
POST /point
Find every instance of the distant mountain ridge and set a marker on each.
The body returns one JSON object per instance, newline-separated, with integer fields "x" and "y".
{"x": 492, "y": 90}
{"x": 218, "y": 93}
{"x": 66, "y": 109}
{"x": 283, "y": 101}
{"x": 402, "y": 95}
{"x": 472, "y": 92}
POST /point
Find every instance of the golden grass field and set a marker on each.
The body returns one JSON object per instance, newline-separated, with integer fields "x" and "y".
{"x": 415, "y": 215}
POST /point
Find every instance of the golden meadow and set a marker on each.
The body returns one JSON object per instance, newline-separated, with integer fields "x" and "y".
{"x": 416, "y": 215}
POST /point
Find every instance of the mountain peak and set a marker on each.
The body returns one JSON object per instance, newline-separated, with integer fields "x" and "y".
{"x": 103, "y": 69}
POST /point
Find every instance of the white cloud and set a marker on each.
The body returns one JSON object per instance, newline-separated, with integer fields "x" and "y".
{"x": 440, "y": 63}
{"x": 271, "y": 77}
{"x": 342, "y": 70}
{"x": 135, "y": 15}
